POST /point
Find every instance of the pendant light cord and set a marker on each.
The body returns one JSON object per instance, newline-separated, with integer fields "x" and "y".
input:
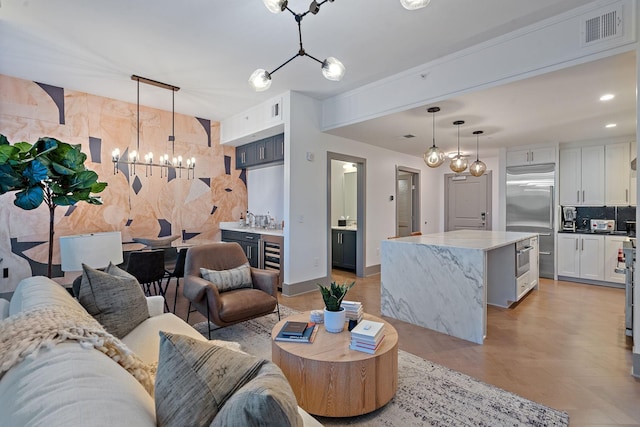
{"x": 477, "y": 154}
{"x": 433, "y": 128}
{"x": 138, "y": 112}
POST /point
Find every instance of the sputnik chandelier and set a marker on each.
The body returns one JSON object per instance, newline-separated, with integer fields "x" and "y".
{"x": 165, "y": 162}
{"x": 332, "y": 69}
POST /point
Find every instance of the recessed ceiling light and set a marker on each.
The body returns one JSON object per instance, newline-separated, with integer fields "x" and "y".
{"x": 611, "y": 125}
{"x": 607, "y": 97}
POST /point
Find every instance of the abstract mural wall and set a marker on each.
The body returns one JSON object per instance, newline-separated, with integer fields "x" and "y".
{"x": 138, "y": 205}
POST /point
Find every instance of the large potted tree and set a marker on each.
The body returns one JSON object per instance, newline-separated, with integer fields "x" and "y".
{"x": 48, "y": 171}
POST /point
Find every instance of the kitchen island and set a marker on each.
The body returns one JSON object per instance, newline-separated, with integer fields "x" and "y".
{"x": 444, "y": 281}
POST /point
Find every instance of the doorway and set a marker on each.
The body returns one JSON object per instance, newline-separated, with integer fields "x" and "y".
{"x": 346, "y": 216}
{"x": 467, "y": 202}
{"x": 407, "y": 201}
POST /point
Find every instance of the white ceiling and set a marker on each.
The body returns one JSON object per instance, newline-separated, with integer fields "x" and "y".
{"x": 209, "y": 49}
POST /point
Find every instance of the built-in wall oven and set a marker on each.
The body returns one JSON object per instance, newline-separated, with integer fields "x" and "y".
{"x": 523, "y": 254}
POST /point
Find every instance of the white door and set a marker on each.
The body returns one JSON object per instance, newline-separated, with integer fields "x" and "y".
{"x": 617, "y": 169}
{"x": 468, "y": 201}
{"x": 568, "y": 255}
{"x": 592, "y": 257}
{"x": 404, "y": 204}
{"x": 593, "y": 176}
{"x": 570, "y": 176}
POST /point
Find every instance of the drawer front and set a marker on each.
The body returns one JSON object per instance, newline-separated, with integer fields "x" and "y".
{"x": 240, "y": 236}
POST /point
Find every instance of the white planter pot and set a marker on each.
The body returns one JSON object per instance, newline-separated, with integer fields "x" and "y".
{"x": 334, "y": 320}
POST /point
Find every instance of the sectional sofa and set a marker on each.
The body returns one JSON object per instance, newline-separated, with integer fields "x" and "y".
{"x": 72, "y": 385}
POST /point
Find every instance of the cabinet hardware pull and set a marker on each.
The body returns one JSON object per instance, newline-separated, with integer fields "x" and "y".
{"x": 527, "y": 156}
{"x": 576, "y": 244}
{"x": 626, "y": 195}
{"x": 582, "y": 196}
{"x": 532, "y": 156}
{"x": 578, "y": 196}
{"x": 544, "y": 253}
{"x": 583, "y": 244}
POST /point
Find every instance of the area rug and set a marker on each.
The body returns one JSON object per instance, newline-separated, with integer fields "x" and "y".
{"x": 428, "y": 394}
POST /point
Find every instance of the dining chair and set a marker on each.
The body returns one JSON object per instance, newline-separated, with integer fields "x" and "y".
{"x": 174, "y": 268}
{"x": 148, "y": 267}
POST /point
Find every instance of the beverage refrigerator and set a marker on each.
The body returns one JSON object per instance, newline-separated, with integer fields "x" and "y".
{"x": 530, "y": 208}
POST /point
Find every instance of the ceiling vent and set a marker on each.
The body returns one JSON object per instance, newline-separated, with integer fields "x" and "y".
{"x": 601, "y": 26}
{"x": 408, "y": 136}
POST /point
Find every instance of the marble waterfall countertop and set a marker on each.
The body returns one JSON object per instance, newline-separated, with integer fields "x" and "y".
{"x": 444, "y": 281}
{"x": 469, "y": 239}
{"x": 235, "y": 226}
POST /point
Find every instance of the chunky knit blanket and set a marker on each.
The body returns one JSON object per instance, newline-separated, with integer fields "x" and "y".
{"x": 26, "y": 333}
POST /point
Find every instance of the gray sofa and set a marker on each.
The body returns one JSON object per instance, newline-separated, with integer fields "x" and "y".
{"x": 68, "y": 385}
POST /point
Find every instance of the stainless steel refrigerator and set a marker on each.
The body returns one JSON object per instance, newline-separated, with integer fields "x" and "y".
{"x": 530, "y": 208}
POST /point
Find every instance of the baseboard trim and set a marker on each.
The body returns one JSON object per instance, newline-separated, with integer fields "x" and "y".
{"x": 372, "y": 270}
{"x": 591, "y": 282}
{"x": 293, "y": 289}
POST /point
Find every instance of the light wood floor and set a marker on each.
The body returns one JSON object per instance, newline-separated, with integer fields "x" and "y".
{"x": 563, "y": 346}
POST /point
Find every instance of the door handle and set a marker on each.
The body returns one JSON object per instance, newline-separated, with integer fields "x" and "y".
{"x": 249, "y": 252}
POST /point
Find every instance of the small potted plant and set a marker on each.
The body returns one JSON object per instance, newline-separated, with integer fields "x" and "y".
{"x": 334, "y": 314}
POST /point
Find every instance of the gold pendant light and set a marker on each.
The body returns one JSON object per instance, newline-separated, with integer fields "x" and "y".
{"x": 478, "y": 167}
{"x": 433, "y": 157}
{"x": 458, "y": 162}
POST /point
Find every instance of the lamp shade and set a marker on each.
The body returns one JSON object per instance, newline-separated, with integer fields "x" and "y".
{"x": 413, "y": 4}
{"x": 333, "y": 69}
{"x": 275, "y": 6}
{"x": 477, "y": 168}
{"x": 458, "y": 163}
{"x": 95, "y": 250}
{"x": 260, "y": 80}
{"x": 433, "y": 157}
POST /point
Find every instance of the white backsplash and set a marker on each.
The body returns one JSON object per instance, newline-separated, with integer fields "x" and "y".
{"x": 265, "y": 191}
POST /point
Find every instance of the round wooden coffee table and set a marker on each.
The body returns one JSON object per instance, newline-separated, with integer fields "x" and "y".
{"x": 331, "y": 380}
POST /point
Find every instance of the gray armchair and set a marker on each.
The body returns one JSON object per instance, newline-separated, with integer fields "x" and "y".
{"x": 233, "y": 306}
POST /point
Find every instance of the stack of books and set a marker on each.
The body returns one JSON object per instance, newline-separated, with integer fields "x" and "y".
{"x": 353, "y": 310}
{"x": 303, "y": 332}
{"x": 367, "y": 336}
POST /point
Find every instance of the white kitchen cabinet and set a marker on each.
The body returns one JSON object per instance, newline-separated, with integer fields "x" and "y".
{"x": 582, "y": 178}
{"x": 530, "y": 156}
{"x": 257, "y": 119}
{"x": 581, "y": 256}
{"x": 618, "y": 175}
{"x": 612, "y": 245}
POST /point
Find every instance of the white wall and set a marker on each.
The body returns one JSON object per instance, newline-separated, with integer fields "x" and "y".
{"x": 306, "y": 195}
{"x": 265, "y": 191}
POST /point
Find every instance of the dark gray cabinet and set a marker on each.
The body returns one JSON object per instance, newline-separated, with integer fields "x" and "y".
{"x": 262, "y": 152}
{"x": 343, "y": 249}
{"x": 250, "y": 243}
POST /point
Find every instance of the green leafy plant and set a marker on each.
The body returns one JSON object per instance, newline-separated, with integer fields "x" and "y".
{"x": 48, "y": 171}
{"x": 334, "y": 294}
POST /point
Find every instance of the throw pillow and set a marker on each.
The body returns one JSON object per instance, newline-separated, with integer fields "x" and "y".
{"x": 114, "y": 298}
{"x": 196, "y": 380}
{"x": 226, "y": 280}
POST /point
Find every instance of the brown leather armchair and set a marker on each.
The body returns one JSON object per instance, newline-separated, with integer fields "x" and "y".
{"x": 233, "y": 306}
